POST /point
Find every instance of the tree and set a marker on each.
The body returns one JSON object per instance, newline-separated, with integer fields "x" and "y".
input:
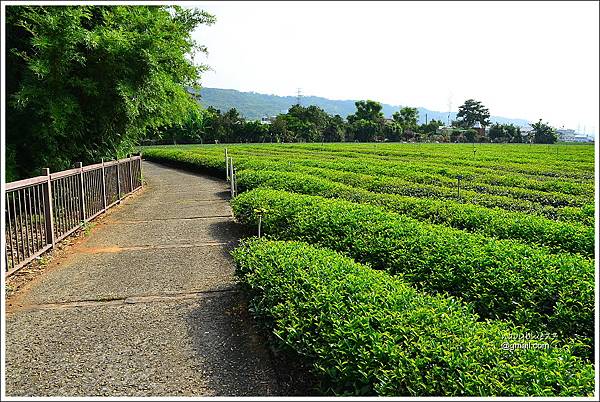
{"x": 365, "y": 130}
{"x": 279, "y": 131}
{"x": 504, "y": 133}
{"x": 392, "y": 130}
{"x": 189, "y": 131}
{"x": 306, "y": 124}
{"x": 497, "y": 133}
{"x": 85, "y": 82}
{"x": 544, "y": 133}
{"x": 231, "y": 125}
{"x": 514, "y": 133}
{"x": 431, "y": 128}
{"x": 211, "y": 119}
{"x": 367, "y": 110}
{"x": 472, "y": 112}
{"x": 407, "y": 118}
{"x": 254, "y": 131}
{"x": 335, "y": 130}
{"x": 367, "y": 123}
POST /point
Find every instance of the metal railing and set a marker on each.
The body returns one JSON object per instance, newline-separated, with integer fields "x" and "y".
{"x": 231, "y": 174}
{"x": 41, "y": 211}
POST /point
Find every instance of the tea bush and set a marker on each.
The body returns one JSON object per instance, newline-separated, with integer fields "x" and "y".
{"x": 367, "y": 333}
{"x": 502, "y": 279}
{"x": 498, "y": 223}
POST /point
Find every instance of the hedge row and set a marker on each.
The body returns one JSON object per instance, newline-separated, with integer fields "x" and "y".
{"x": 536, "y": 165}
{"x": 409, "y": 175}
{"x": 364, "y": 332}
{"x": 398, "y": 186}
{"x": 502, "y": 279}
{"x": 204, "y": 162}
{"x": 212, "y": 162}
{"x": 559, "y": 236}
{"x": 439, "y": 172}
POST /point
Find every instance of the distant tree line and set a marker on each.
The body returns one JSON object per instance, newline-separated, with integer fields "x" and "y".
{"x": 366, "y": 124}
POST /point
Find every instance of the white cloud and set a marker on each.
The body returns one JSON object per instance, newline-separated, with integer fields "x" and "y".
{"x": 522, "y": 59}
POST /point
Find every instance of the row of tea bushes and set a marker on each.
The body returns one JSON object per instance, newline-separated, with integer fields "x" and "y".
{"x": 502, "y": 279}
{"x": 366, "y": 333}
{"x": 560, "y": 236}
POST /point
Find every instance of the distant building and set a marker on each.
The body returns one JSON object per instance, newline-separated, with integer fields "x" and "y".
{"x": 565, "y": 131}
{"x": 569, "y": 135}
{"x": 266, "y": 120}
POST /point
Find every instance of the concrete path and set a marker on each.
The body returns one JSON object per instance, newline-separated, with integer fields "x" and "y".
{"x": 147, "y": 305}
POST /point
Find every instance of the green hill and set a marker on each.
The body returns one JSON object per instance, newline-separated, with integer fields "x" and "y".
{"x": 254, "y": 105}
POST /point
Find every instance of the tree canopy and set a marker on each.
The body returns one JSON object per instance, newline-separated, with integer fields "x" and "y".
{"x": 543, "y": 133}
{"x": 408, "y": 118}
{"x": 472, "y": 112}
{"x": 505, "y": 133}
{"x": 367, "y": 110}
{"x": 85, "y": 82}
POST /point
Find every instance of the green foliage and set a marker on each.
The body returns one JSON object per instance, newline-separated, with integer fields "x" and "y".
{"x": 335, "y": 130}
{"x": 472, "y": 112}
{"x": 189, "y": 131}
{"x": 505, "y": 133}
{"x": 501, "y": 184}
{"x": 543, "y": 133}
{"x": 431, "y": 127}
{"x": 306, "y": 124}
{"x": 10, "y": 165}
{"x": 366, "y": 333}
{"x": 559, "y": 236}
{"x": 86, "y": 82}
{"x": 502, "y": 279}
{"x": 196, "y": 162}
{"x": 368, "y": 110}
{"x": 367, "y": 123}
{"x": 407, "y": 118}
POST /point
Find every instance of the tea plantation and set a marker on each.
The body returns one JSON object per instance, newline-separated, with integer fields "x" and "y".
{"x": 419, "y": 269}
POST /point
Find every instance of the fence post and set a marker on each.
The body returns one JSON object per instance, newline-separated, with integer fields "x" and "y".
{"x": 103, "y": 186}
{"x": 235, "y": 191}
{"x": 48, "y": 213}
{"x": 141, "y": 173}
{"x": 232, "y": 179}
{"x": 118, "y": 181}
{"x": 81, "y": 191}
{"x": 226, "y": 166}
{"x": 130, "y": 174}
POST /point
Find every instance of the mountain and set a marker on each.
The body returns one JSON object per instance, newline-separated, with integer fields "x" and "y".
{"x": 254, "y": 106}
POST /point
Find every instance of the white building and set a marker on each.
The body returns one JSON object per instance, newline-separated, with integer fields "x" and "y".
{"x": 569, "y": 135}
{"x": 266, "y": 120}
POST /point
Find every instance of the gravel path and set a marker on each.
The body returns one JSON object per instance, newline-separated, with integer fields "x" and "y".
{"x": 147, "y": 305}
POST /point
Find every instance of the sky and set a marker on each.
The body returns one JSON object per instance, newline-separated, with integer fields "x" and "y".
{"x": 526, "y": 60}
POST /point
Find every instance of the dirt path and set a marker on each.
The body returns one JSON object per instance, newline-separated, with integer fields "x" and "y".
{"x": 147, "y": 305}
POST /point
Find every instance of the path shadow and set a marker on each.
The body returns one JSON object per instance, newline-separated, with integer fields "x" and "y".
{"x": 223, "y": 195}
{"x": 215, "y": 174}
{"x": 234, "y": 355}
{"x": 228, "y": 231}
{"x": 230, "y": 353}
